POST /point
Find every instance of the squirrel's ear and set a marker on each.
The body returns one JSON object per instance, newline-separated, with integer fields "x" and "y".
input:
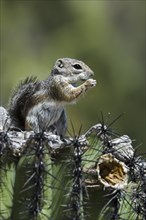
{"x": 59, "y": 63}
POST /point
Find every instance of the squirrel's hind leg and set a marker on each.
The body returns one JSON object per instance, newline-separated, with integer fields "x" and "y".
{"x": 61, "y": 124}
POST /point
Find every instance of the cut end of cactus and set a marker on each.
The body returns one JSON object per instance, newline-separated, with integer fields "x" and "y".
{"x": 112, "y": 172}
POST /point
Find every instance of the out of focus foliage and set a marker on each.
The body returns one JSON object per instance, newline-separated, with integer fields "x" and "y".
{"x": 107, "y": 35}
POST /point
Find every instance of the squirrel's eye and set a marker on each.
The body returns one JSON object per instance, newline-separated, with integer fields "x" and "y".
{"x": 77, "y": 66}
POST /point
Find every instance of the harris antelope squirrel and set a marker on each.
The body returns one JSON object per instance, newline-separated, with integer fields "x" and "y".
{"x": 39, "y": 105}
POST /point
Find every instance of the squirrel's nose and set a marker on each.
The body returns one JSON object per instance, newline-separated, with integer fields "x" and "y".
{"x": 91, "y": 73}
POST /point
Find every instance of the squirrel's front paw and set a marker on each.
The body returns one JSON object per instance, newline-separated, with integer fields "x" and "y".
{"x": 90, "y": 83}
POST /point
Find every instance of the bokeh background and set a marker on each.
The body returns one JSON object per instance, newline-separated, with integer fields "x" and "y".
{"x": 109, "y": 36}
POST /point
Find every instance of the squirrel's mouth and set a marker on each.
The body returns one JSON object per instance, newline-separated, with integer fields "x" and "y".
{"x": 80, "y": 82}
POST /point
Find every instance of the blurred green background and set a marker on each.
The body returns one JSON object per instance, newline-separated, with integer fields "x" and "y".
{"x": 109, "y": 36}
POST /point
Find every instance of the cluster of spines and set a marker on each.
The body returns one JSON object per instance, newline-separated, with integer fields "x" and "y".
{"x": 35, "y": 205}
{"x": 139, "y": 194}
{"x": 37, "y": 173}
{"x": 75, "y": 210}
{"x": 77, "y": 193}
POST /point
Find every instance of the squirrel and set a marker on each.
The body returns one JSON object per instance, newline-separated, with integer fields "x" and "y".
{"x": 39, "y": 105}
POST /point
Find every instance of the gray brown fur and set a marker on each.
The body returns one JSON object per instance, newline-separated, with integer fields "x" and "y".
{"x": 39, "y": 105}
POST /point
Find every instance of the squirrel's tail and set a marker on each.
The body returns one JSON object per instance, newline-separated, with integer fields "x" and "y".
{"x": 19, "y": 101}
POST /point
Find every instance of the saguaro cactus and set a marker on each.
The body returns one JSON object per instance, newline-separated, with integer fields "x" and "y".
{"x": 45, "y": 177}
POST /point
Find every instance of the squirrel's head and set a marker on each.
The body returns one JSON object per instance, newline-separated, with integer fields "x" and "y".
{"x": 73, "y": 70}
